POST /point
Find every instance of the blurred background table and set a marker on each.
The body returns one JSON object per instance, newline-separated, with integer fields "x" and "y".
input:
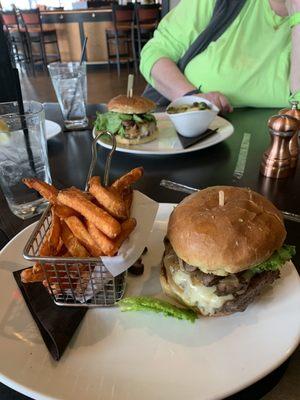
{"x": 70, "y": 154}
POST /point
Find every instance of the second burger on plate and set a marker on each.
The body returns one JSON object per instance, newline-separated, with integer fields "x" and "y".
{"x": 130, "y": 119}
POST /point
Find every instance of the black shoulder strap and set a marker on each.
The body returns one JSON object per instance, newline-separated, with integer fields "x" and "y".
{"x": 224, "y": 14}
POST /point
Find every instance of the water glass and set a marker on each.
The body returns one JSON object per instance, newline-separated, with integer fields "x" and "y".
{"x": 70, "y": 85}
{"x": 23, "y": 154}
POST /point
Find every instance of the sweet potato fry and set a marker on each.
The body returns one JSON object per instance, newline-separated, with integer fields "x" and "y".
{"x": 110, "y": 201}
{"x": 86, "y": 195}
{"x": 127, "y": 227}
{"x": 45, "y": 249}
{"x": 63, "y": 211}
{"x": 104, "y": 221}
{"x": 80, "y": 232}
{"x": 54, "y": 234}
{"x": 62, "y": 286}
{"x": 106, "y": 245}
{"x": 52, "y": 242}
{"x": 29, "y": 275}
{"x": 37, "y": 268}
{"x": 127, "y": 195}
{"x": 128, "y": 179}
{"x": 65, "y": 254}
{"x": 72, "y": 244}
{"x": 62, "y": 282}
{"x": 49, "y": 192}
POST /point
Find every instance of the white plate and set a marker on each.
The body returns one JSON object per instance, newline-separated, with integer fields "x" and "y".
{"x": 135, "y": 355}
{"x": 168, "y": 143}
{"x": 52, "y": 129}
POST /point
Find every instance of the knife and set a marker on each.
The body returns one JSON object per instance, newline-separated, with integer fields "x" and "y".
{"x": 188, "y": 189}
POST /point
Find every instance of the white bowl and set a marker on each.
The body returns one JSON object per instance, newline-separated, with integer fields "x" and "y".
{"x": 192, "y": 123}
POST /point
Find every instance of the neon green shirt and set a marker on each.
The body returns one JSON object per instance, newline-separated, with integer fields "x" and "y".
{"x": 249, "y": 63}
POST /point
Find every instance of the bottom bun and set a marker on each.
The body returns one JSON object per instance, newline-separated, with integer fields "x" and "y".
{"x": 171, "y": 291}
{"x": 130, "y": 142}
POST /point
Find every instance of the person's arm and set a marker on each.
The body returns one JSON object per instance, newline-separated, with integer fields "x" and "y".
{"x": 174, "y": 35}
{"x": 293, "y": 7}
{"x": 295, "y": 60}
{"x": 176, "y": 85}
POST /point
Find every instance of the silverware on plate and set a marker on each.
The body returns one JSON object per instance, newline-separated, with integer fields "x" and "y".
{"x": 178, "y": 187}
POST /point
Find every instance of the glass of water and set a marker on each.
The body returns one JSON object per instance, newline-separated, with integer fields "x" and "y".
{"x": 70, "y": 85}
{"x": 23, "y": 154}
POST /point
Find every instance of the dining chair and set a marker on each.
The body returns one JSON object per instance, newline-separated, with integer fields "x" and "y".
{"x": 18, "y": 37}
{"x": 147, "y": 17}
{"x": 120, "y": 38}
{"x": 39, "y": 35}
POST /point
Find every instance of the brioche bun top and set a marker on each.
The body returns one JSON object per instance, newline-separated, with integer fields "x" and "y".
{"x": 131, "y": 105}
{"x": 225, "y": 239}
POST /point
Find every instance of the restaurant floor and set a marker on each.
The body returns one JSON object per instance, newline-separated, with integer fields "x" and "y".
{"x": 102, "y": 85}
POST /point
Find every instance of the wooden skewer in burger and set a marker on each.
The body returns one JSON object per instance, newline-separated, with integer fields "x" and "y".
{"x": 129, "y": 118}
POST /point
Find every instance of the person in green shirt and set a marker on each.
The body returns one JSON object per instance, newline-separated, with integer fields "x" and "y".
{"x": 256, "y": 62}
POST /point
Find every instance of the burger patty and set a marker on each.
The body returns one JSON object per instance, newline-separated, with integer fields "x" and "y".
{"x": 233, "y": 283}
{"x": 256, "y": 285}
{"x": 243, "y": 288}
{"x": 134, "y": 130}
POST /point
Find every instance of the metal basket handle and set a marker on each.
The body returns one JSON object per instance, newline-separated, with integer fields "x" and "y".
{"x": 108, "y": 159}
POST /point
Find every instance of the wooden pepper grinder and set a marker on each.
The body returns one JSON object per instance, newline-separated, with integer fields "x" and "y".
{"x": 294, "y": 142}
{"x": 277, "y": 160}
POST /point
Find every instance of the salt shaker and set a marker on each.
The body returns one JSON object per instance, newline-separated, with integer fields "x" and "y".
{"x": 294, "y": 143}
{"x": 277, "y": 159}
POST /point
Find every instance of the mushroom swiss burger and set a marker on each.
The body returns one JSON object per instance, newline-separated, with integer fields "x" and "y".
{"x": 224, "y": 245}
{"x": 129, "y": 118}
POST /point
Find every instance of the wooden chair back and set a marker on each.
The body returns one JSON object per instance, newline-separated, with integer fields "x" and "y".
{"x": 122, "y": 15}
{"x": 148, "y": 14}
{"x": 10, "y": 19}
{"x": 31, "y": 19}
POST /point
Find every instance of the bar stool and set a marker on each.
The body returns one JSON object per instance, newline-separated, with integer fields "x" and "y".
{"x": 18, "y": 37}
{"x": 121, "y": 36}
{"x": 39, "y": 35}
{"x": 147, "y": 17}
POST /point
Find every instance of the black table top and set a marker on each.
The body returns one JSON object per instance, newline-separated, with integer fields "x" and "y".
{"x": 70, "y": 155}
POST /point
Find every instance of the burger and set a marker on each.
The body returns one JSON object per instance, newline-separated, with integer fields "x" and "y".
{"x": 224, "y": 246}
{"x": 129, "y": 119}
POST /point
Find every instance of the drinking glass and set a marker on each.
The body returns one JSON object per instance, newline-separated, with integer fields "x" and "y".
{"x": 70, "y": 85}
{"x": 23, "y": 154}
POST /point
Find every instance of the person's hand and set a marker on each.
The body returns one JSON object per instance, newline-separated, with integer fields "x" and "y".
{"x": 219, "y": 100}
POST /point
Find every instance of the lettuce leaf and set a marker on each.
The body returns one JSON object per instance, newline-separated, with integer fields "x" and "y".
{"x": 276, "y": 261}
{"x": 112, "y": 121}
{"x": 148, "y": 117}
{"x": 159, "y": 306}
{"x": 137, "y": 119}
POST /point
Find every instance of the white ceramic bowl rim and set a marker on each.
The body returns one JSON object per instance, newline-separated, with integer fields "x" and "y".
{"x": 188, "y": 100}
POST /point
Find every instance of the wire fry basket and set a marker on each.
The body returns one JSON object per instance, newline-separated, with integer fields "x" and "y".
{"x": 76, "y": 281}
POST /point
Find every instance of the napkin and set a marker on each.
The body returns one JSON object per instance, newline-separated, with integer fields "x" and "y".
{"x": 189, "y": 141}
{"x": 144, "y": 211}
{"x": 57, "y": 324}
